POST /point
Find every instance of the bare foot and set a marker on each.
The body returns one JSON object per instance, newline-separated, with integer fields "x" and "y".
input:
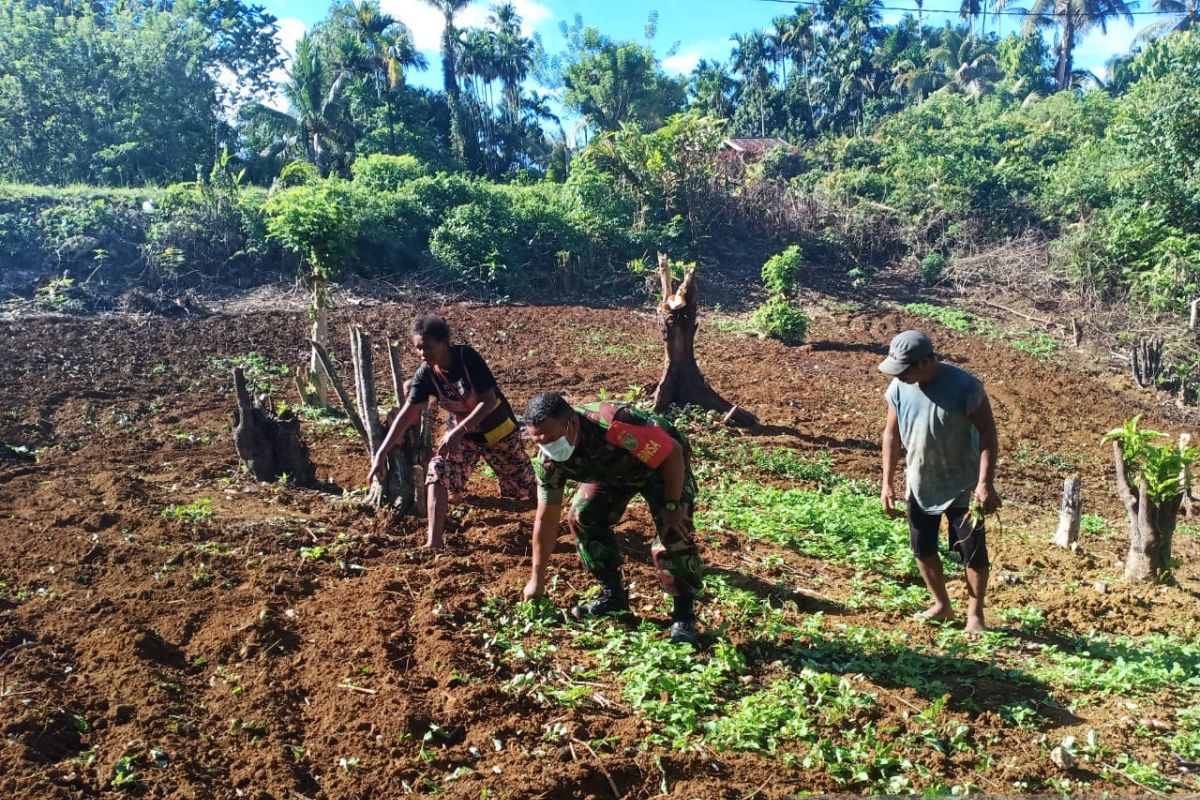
{"x": 975, "y": 623}
{"x": 936, "y": 613}
{"x": 437, "y": 546}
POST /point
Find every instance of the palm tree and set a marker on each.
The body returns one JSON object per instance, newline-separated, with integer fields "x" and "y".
{"x": 514, "y": 54}
{"x": 317, "y": 126}
{"x": 779, "y": 46}
{"x": 450, "y": 47}
{"x": 1184, "y": 16}
{"x": 749, "y": 56}
{"x": 1074, "y": 18}
{"x": 712, "y": 89}
{"x": 960, "y": 63}
{"x": 385, "y": 48}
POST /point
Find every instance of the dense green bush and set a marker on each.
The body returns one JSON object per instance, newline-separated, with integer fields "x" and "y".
{"x": 781, "y": 270}
{"x": 779, "y": 319}
{"x": 386, "y": 173}
{"x": 932, "y": 265}
{"x": 475, "y": 242}
{"x": 317, "y": 222}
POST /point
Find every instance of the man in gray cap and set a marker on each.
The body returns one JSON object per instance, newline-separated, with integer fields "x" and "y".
{"x": 941, "y": 414}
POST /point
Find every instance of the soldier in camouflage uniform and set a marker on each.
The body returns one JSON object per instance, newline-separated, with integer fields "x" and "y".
{"x": 615, "y": 451}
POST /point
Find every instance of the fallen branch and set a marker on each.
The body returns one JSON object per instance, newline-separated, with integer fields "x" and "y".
{"x": 1134, "y": 781}
{"x": 611, "y": 782}
{"x": 1016, "y": 313}
{"x": 359, "y": 689}
{"x": 340, "y": 391}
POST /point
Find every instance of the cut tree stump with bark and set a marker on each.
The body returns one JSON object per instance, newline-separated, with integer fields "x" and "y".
{"x": 1151, "y": 527}
{"x": 1146, "y": 361}
{"x": 1067, "y": 534}
{"x": 399, "y": 489}
{"x": 682, "y": 383}
{"x": 269, "y": 444}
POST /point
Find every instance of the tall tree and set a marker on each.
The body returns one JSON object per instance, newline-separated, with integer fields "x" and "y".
{"x": 710, "y": 89}
{"x": 1073, "y": 19}
{"x": 317, "y": 126}
{"x": 460, "y": 135}
{"x": 615, "y": 83}
{"x": 749, "y": 58}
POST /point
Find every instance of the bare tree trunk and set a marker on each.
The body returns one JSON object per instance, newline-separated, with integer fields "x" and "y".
{"x": 1068, "y": 516}
{"x": 268, "y": 444}
{"x": 682, "y": 383}
{"x": 320, "y": 335}
{"x": 1151, "y": 528}
{"x": 1146, "y": 360}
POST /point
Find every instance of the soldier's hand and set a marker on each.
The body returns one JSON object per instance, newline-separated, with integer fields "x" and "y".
{"x": 535, "y": 588}
{"x": 674, "y": 524}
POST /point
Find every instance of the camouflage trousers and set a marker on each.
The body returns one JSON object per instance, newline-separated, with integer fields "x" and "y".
{"x": 597, "y": 508}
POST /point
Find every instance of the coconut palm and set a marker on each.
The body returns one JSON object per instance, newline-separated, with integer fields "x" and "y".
{"x": 1074, "y": 19}
{"x": 960, "y": 63}
{"x": 1184, "y": 15}
{"x": 317, "y": 126}
{"x": 749, "y": 57}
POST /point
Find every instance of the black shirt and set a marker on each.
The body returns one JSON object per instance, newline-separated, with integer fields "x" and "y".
{"x": 458, "y": 389}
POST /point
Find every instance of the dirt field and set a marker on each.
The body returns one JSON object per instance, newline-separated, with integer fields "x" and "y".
{"x": 225, "y": 664}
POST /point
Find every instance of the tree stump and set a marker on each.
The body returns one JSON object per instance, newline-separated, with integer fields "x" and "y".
{"x": 1067, "y": 534}
{"x": 268, "y": 444}
{"x": 1146, "y": 361}
{"x": 398, "y": 490}
{"x": 1151, "y": 527}
{"x": 682, "y": 383}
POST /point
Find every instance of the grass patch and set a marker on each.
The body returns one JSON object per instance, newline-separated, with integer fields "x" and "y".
{"x": 1035, "y": 343}
{"x": 840, "y": 526}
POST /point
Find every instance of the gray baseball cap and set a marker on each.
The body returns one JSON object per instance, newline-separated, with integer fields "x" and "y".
{"x": 907, "y": 348}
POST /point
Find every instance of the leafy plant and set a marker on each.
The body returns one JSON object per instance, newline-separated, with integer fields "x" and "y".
{"x": 1160, "y": 466}
{"x": 197, "y": 512}
{"x": 780, "y": 272}
{"x": 779, "y": 319}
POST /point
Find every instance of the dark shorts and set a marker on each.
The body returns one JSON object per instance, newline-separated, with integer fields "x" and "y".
{"x": 967, "y": 539}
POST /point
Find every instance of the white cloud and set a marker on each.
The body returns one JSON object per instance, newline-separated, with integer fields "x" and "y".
{"x": 426, "y": 22}
{"x": 682, "y": 63}
{"x": 689, "y": 56}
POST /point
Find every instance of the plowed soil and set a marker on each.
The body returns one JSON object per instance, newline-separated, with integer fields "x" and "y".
{"x": 252, "y": 672}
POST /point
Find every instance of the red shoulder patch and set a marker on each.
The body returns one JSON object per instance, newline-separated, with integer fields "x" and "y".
{"x": 649, "y": 444}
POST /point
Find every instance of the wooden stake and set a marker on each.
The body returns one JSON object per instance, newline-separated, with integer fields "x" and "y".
{"x": 1067, "y": 534}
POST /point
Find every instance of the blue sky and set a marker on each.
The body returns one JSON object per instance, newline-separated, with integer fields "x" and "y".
{"x": 700, "y": 27}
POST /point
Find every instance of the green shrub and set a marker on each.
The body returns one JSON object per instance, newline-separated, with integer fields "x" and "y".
{"x": 297, "y": 173}
{"x": 87, "y": 234}
{"x": 316, "y": 222}
{"x": 21, "y": 238}
{"x": 784, "y": 163}
{"x": 932, "y": 266}
{"x": 474, "y": 242}
{"x": 779, "y": 319}
{"x": 386, "y": 173}
{"x": 781, "y": 270}
{"x": 393, "y": 233}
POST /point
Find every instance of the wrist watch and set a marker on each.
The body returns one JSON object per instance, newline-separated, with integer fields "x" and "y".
{"x": 671, "y": 505}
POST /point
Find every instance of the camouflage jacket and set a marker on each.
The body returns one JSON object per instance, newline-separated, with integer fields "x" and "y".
{"x": 619, "y": 446}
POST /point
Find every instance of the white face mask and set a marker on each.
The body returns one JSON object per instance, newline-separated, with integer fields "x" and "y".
{"x": 558, "y": 450}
